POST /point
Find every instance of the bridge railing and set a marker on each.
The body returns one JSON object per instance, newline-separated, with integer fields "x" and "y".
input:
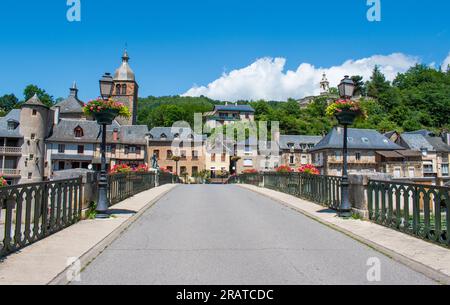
{"x": 124, "y": 186}
{"x": 415, "y": 209}
{"x": 31, "y": 212}
{"x": 324, "y": 190}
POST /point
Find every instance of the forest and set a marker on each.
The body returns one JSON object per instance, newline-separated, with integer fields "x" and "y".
{"x": 416, "y": 99}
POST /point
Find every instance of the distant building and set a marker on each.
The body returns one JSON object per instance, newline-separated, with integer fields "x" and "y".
{"x": 362, "y": 147}
{"x": 167, "y": 142}
{"x": 229, "y": 113}
{"x": 435, "y": 153}
{"x": 295, "y": 150}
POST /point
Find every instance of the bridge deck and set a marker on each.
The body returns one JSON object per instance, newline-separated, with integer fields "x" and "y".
{"x": 223, "y": 234}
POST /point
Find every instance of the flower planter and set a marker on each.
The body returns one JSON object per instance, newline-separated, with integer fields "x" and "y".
{"x": 106, "y": 117}
{"x": 346, "y": 117}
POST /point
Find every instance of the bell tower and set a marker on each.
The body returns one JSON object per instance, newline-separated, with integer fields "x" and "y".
{"x": 126, "y": 89}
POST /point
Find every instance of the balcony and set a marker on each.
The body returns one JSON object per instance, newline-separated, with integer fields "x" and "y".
{"x": 10, "y": 172}
{"x": 10, "y": 151}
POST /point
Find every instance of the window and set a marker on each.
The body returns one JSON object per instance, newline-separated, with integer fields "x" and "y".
{"x": 224, "y": 157}
{"x": 291, "y": 159}
{"x": 61, "y": 165}
{"x": 117, "y": 89}
{"x": 156, "y": 153}
{"x": 445, "y": 170}
{"x": 248, "y": 150}
{"x": 34, "y": 112}
{"x": 195, "y": 155}
{"x": 132, "y": 149}
{"x": 30, "y": 175}
{"x": 170, "y": 169}
{"x": 183, "y": 154}
{"x": 124, "y": 89}
{"x": 337, "y": 155}
{"x": 11, "y": 125}
{"x": 365, "y": 140}
{"x": 183, "y": 169}
{"x": 81, "y": 149}
{"x": 397, "y": 172}
{"x": 213, "y": 157}
{"x": 163, "y": 136}
{"x": 248, "y": 162}
{"x": 33, "y": 136}
{"x": 61, "y": 148}
{"x": 113, "y": 148}
{"x": 194, "y": 170}
{"x": 138, "y": 150}
{"x": 169, "y": 155}
{"x": 358, "y": 156}
{"x": 31, "y": 157}
{"x": 411, "y": 172}
{"x": 78, "y": 132}
{"x": 424, "y": 152}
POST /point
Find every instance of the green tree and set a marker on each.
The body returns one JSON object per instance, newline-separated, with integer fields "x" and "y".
{"x": 8, "y": 102}
{"x": 45, "y": 98}
{"x": 360, "y": 87}
{"x": 378, "y": 84}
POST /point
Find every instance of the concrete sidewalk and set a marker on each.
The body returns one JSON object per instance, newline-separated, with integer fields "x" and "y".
{"x": 46, "y": 262}
{"x": 427, "y": 258}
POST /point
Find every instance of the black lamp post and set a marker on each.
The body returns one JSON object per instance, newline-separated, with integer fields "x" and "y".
{"x": 345, "y": 118}
{"x": 106, "y": 89}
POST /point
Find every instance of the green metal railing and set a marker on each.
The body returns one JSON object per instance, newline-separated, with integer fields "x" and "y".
{"x": 324, "y": 190}
{"x": 31, "y": 212}
{"x": 416, "y": 209}
{"x": 124, "y": 186}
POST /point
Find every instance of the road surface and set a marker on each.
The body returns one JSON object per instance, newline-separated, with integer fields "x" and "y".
{"x": 217, "y": 234}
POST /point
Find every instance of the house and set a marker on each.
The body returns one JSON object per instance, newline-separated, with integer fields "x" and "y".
{"x": 167, "y": 142}
{"x": 22, "y": 135}
{"x": 363, "y": 144}
{"x": 400, "y": 164}
{"x": 295, "y": 150}
{"x": 435, "y": 153}
{"x": 223, "y": 115}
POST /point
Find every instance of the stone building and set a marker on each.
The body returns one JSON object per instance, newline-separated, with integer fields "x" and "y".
{"x": 295, "y": 150}
{"x": 362, "y": 147}
{"x": 167, "y": 142}
{"x": 11, "y": 141}
{"x": 435, "y": 153}
{"x": 223, "y": 115}
{"x": 400, "y": 164}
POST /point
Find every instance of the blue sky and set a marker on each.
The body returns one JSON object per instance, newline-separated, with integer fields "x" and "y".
{"x": 176, "y": 44}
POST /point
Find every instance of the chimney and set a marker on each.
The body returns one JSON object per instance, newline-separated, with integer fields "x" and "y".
{"x": 446, "y": 138}
{"x": 56, "y": 116}
{"x": 115, "y": 135}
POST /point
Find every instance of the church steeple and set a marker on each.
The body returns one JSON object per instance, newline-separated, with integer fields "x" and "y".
{"x": 126, "y": 89}
{"x": 324, "y": 85}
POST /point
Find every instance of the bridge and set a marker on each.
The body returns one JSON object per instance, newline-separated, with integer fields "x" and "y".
{"x": 257, "y": 229}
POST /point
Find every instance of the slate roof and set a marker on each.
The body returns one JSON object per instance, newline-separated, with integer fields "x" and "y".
{"x": 124, "y": 72}
{"x": 421, "y": 139}
{"x": 127, "y": 134}
{"x": 357, "y": 139}
{"x": 13, "y": 115}
{"x": 71, "y": 104}
{"x": 297, "y": 140}
{"x": 238, "y": 108}
{"x": 34, "y": 101}
{"x": 184, "y": 132}
{"x": 438, "y": 144}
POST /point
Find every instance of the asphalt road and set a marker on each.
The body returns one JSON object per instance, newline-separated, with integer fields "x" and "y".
{"x": 225, "y": 235}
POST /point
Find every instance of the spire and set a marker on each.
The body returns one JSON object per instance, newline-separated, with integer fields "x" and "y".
{"x": 324, "y": 85}
{"x": 74, "y": 90}
{"x": 125, "y": 57}
{"x": 124, "y": 72}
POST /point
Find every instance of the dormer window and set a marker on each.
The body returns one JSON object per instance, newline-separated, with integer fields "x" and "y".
{"x": 365, "y": 140}
{"x": 163, "y": 136}
{"x": 177, "y": 136}
{"x": 78, "y": 132}
{"x": 424, "y": 152}
{"x": 11, "y": 125}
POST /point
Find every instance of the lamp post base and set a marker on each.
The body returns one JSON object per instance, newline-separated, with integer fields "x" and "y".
{"x": 103, "y": 215}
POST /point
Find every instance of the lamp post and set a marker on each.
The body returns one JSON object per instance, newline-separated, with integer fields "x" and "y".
{"x": 346, "y": 90}
{"x": 106, "y": 89}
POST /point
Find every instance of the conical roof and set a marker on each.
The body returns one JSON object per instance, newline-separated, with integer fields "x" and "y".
{"x": 124, "y": 72}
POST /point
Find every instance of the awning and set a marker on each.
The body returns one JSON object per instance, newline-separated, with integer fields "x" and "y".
{"x": 410, "y": 153}
{"x": 389, "y": 154}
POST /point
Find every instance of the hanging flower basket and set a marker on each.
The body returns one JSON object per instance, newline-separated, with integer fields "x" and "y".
{"x": 3, "y": 182}
{"x": 105, "y": 111}
{"x": 345, "y": 111}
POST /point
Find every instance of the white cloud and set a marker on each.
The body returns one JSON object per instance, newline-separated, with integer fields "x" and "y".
{"x": 267, "y": 79}
{"x": 446, "y": 63}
